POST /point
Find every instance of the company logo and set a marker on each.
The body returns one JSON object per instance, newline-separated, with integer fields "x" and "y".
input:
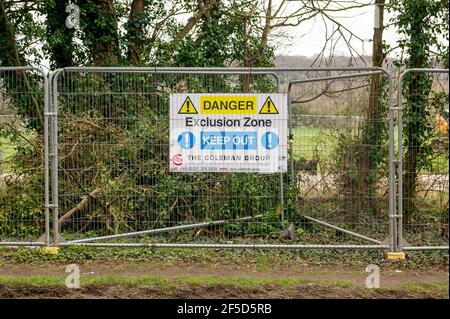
{"x": 177, "y": 159}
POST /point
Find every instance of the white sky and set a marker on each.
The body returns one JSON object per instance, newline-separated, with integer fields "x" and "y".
{"x": 308, "y": 38}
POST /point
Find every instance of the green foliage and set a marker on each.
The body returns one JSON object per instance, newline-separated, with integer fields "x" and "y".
{"x": 424, "y": 31}
{"x": 107, "y": 31}
{"x": 21, "y": 215}
{"x": 21, "y": 196}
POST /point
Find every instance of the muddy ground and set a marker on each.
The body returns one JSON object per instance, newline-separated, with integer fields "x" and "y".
{"x": 340, "y": 283}
{"x": 210, "y": 291}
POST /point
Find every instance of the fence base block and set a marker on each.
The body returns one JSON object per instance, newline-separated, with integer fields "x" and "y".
{"x": 396, "y": 255}
{"x": 50, "y": 250}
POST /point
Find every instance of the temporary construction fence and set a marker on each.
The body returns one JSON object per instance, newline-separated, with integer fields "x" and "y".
{"x": 423, "y": 162}
{"x": 24, "y": 183}
{"x": 121, "y": 118}
{"x": 106, "y": 135}
{"x": 342, "y": 170}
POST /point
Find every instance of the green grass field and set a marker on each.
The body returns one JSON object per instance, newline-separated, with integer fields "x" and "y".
{"x": 6, "y": 148}
{"x": 306, "y": 140}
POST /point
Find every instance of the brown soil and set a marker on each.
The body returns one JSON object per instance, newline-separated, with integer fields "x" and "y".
{"x": 188, "y": 291}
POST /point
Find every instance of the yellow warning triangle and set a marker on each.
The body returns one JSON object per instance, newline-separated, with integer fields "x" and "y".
{"x": 187, "y": 107}
{"x": 268, "y": 107}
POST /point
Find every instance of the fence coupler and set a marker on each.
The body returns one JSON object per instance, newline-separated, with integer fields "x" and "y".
{"x": 396, "y": 255}
{"x": 50, "y": 250}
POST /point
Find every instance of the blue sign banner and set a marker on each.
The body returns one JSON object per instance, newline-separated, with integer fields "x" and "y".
{"x": 228, "y": 140}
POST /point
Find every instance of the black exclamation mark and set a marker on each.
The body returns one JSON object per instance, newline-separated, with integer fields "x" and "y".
{"x": 187, "y": 106}
{"x": 268, "y": 106}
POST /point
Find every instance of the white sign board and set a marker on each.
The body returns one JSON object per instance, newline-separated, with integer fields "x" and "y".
{"x": 218, "y": 132}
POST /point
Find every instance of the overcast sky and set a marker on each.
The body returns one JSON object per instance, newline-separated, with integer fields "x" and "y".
{"x": 308, "y": 38}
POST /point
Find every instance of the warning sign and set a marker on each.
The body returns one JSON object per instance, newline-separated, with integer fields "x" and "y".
{"x": 219, "y": 132}
{"x": 228, "y": 104}
{"x": 268, "y": 107}
{"x": 187, "y": 107}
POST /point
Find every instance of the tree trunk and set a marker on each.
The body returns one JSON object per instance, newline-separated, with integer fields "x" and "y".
{"x": 27, "y": 102}
{"x": 100, "y": 29}
{"x": 9, "y": 55}
{"x": 250, "y": 60}
{"x": 418, "y": 88}
{"x": 370, "y": 135}
{"x": 59, "y": 36}
{"x": 192, "y": 21}
{"x": 135, "y": 30}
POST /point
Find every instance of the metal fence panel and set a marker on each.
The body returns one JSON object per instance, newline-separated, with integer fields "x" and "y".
{"x": 23, "y": 157}
{"x": 105, "y": 133}
{"x": 113, "y": 176}
{"x": 423, "y": 162}
{"x": 343, "y": 156}
{"x": 113, "y": 181}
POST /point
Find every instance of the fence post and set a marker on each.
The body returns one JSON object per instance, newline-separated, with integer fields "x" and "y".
{"x": 54, "y": 154}
{"x": 281, "y": 174}
{"x": 46, "y": 159}
{"x": 393, "y": 252}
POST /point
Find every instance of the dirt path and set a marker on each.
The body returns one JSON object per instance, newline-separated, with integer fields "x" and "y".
{"x": 356, "y": 276}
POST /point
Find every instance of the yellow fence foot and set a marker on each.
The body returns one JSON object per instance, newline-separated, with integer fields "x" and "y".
{"x": 396, "y": 255}
{"x": 50, "y": 250}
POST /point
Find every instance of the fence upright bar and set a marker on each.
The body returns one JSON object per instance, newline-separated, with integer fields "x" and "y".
{"x": 54, "y": 156}
{"x": 47, "y": 104}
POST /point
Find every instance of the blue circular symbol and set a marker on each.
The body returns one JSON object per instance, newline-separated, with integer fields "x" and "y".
{"x": 186, "y": 140}
{"x": 270, "y": 140}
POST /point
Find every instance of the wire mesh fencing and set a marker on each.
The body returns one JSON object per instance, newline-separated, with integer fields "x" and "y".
{"x": 113, "y": 155}
{"x": 341, "y": 160}
{"x": 424, "y": 141}
{"x": 96, "y": 153}
{"x": 114, "y": 184}
{"x": 23, "y": 127}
